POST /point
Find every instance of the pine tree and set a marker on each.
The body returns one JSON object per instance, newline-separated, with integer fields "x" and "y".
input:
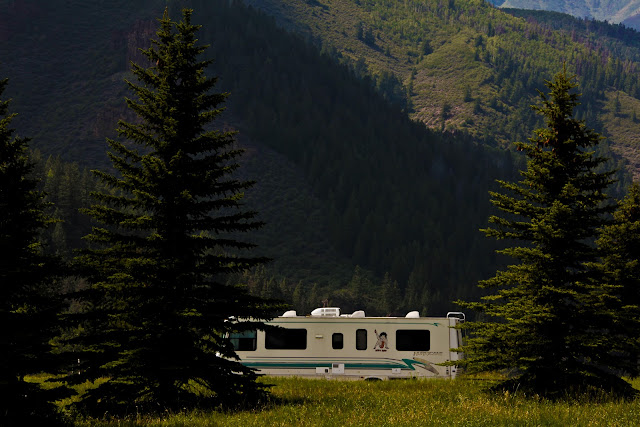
{"x": 620, "y": 242}
{"x": 160, "y": 318}
{"x": 299, "y": 298}
{"x": 28, "y": 304}
{"x": 390, "y": 296}
{"x": 549, "y": 322}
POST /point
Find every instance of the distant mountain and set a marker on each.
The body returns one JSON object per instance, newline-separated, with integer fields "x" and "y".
{"x": 466, "y": 66}
{"x": 626, "y": 12}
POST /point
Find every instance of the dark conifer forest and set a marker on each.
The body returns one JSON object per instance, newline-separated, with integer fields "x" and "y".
{"x": 352, "y": 190}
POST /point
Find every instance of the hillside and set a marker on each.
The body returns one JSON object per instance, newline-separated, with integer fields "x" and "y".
{"x": 67, "y": 86}
{"x": 345, "y": 179}
{"x": 626, "y": 12}
{"x": 468, "y": 67}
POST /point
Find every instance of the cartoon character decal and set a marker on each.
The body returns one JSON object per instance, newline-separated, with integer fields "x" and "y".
{"x": 382, "y": 343}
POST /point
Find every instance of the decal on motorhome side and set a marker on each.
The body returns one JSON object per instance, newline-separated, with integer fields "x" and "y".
{"x": 381, "y": 344}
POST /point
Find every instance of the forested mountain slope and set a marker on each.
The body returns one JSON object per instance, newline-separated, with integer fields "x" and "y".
{"x": 467, "y": 66}
{"x": 345, "y": 178}
{"x": 616, "y": 11}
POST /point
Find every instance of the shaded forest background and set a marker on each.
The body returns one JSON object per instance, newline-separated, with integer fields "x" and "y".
{"x": 365, "y": 205}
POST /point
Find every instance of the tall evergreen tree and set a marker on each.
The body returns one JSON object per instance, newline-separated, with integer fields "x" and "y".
{"x": 159, "y": 318}
{"x": 28, "y": 304}
{"x": 550, "y": 323}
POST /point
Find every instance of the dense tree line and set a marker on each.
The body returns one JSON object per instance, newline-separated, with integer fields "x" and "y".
{"x": 66, "y": 187}
{"x": 605, "y": 35}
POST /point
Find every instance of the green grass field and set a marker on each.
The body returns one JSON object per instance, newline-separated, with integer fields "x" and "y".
{"x": 465, "y": 402}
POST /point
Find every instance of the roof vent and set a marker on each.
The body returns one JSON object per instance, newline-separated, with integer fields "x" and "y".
{"x": 456, "y": 315}
{"x": 290, "y": 313}
{"x": 358, "y": 313}
{"x": 413, "y": 315}
{"x": 326, "y": 312}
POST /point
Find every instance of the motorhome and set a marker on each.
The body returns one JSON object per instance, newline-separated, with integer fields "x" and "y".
{"x": 353, "y": 346}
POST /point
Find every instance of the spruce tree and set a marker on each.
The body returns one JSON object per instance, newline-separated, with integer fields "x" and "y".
{"x": 160, "y": 311}
{"x": 28, "y": 303}
{"x": 548, "y": 320}
{"x": 620, "y": 266}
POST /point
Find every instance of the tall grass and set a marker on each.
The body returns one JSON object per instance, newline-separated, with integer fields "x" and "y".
{"x": 301, "y": 402}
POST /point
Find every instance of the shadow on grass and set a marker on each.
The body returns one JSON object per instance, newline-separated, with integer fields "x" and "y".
{"x": 579, "y": 390}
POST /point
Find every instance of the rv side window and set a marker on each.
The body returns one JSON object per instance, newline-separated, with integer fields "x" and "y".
{"x": 337, "y": 341}
{"x": 361, "y": 339}
{"x": 413, "y": 340}
{"x": 285, "y": 339}
{"x": 244, "y": 341}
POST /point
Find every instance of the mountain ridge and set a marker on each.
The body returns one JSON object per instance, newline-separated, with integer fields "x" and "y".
{"x": 626, "y": 12}
{"x": 467, "y": 66}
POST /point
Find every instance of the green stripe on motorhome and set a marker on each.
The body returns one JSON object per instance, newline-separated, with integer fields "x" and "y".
{"x": 311, "y": 364}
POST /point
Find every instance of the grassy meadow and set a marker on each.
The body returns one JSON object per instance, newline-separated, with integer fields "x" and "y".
{"x": 319, "y": 402}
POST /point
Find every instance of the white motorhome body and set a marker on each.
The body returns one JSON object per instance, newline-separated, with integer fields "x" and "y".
{"x": 354, "y": 346}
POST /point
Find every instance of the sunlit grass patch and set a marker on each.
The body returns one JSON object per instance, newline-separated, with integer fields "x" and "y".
{"x": 420, "y": 402}
{"x": 465, "y": 401}
{"x": 47, "y": 381}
